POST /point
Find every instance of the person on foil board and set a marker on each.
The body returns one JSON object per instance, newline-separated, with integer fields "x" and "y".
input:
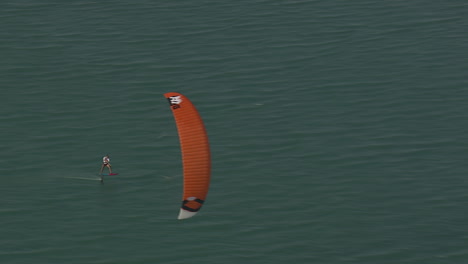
{"x": 106, "y": 163}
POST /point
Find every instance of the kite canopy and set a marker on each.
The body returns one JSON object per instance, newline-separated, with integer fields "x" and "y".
{"x": 195, "y": 153}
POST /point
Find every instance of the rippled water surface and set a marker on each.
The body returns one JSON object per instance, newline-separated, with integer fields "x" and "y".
{"x": 337, "y": 131}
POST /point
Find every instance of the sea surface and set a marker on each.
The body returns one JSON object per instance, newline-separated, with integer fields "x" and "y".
{"x": 338, "y": 131}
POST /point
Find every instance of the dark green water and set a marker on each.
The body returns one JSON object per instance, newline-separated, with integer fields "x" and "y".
{"x": 337, "y": 130}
